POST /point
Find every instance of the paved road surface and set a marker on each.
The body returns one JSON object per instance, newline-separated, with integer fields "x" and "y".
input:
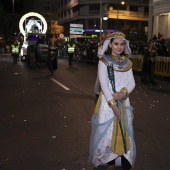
{"x": 45, "y": 126}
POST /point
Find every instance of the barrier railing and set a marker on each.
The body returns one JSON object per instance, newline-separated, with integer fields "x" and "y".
{"x": 137, "y": 61}
{"x": 162, "y": 64}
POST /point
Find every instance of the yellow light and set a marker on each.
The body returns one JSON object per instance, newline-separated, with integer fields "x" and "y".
{"x": 123, "y": 2}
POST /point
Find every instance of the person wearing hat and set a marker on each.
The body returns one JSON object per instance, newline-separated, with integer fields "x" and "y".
{"x": 112, "y": 121}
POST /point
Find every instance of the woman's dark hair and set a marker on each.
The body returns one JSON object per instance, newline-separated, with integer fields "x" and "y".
{"x": 109, "y": 50}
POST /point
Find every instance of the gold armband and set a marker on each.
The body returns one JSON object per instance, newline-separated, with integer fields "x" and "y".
{"x": 124, "y": 91}
{"x": 112, "y": 103}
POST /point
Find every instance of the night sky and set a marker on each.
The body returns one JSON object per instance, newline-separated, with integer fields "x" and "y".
{"x": 8, "y": 5}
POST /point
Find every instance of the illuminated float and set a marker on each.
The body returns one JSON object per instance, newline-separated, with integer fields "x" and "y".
{"x": 32, "y": 26}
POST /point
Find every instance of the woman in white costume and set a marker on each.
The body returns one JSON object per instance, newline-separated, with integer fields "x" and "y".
{"x": 112, "y": 129}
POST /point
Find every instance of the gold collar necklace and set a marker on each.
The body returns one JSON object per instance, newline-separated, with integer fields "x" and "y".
{"x": 115, "y": 57}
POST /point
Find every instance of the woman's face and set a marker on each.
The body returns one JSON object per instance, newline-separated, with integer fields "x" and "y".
{"x": 117, "y": 46}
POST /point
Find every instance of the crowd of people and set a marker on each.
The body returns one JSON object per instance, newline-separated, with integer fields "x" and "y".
{"x": 162, "y": 44}
{"x": 5, "y": 47}
{"x": 84, "y": 50}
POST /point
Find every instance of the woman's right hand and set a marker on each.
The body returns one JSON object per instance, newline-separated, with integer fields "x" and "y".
{"x": 118, "y": 95}
{"x": 116, "y": 111}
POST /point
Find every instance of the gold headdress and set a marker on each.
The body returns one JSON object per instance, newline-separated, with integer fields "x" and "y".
{"x": 118, "y": 35}
{"x": 106, "y": 37}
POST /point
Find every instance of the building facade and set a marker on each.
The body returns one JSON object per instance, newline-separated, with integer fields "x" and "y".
{"x": 90, "y": 14}
{"x": 48, "y": 9}
{"x": 159, "y": 18}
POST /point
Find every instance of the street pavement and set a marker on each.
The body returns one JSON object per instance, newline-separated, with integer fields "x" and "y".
{"x": 44, "y": 127}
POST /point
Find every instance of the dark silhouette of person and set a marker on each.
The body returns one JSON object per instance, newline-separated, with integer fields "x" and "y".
{"x": 40, "y": 40}
{"x": 145, "y": 66}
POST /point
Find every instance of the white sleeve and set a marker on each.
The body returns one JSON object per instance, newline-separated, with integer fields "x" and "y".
{"x": 104, "y": 80}
{"x": 131, "y": 82}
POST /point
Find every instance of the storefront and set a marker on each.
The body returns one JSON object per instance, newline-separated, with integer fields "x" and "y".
{"x": 159, "y": 18}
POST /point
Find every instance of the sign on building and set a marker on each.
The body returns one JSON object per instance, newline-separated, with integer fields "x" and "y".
{"x": 76, "y": 30}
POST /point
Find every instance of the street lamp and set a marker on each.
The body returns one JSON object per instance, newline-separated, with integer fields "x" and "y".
{"x": 122, "y": 2}
{"x": 100, "y": 19}
{"x": 116, "y": 25}
{"x": 13, "y": 6}
{"x": 105, "y": 18}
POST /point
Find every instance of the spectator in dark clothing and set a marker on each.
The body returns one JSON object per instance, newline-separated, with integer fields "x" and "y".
{"x": 149, "y": 65}
{"x": 145, "y": 67}
{"x": 152, "y": 66}
{"x": 164, "y": 49}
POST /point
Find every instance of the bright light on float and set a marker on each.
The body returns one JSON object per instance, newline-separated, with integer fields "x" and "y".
{"x": 32, "y": 14}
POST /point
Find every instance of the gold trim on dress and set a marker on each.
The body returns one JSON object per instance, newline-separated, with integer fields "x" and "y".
{"x": 117, "y": 144}
{"x": 122, "y": 58}
{"x": 104, "y": 61}
{"x": 124, "y": 69}
{"x": 118, "y": 69}
{"x": 96, "y": 110}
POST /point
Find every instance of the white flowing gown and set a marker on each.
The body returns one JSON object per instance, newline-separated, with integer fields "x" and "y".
{"x": 102, "y": 152}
